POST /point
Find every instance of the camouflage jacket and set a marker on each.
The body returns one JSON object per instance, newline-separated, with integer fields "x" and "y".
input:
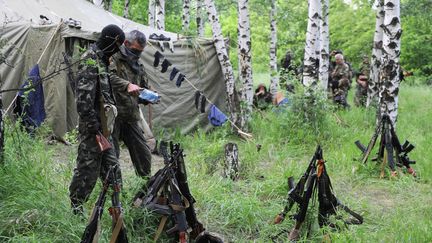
{"x": 341, "y": 73}
{"x": 121, "y": 74}
{"x": 365, "y": 71}
{"x": 92, "y": 89}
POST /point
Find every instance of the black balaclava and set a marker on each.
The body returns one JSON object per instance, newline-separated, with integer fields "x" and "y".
{"x": 110, "y": 36}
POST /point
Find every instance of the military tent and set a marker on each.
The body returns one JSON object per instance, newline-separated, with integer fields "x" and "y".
{"x": 25, "y": 34}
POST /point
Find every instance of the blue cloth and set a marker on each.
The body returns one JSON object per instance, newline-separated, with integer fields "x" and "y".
{"x": 216, "y": 117}
{"x": 284, "y": 101}
{"x": 31, "y": 102}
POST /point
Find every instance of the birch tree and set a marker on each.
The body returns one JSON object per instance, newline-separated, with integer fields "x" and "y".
{"x": 244, "y": 56}
{"x": 373, "y": 82}
{"x": 274, "y": 81}
{"x": 310, "y": 57}
{"x": 160, "y": 14}
{"x": 186, "y": 15}
{"x": 224, "y": 60}
{"x": 324, "y": 45}
{"x": 126, "y": 9}
{"x": 389, "y": 72}
{"x": 199, "y": 19}
{"x": 152, "y": 14}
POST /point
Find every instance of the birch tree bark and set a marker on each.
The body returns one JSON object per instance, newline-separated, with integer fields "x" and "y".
{"x": 245, "y": 64}
{"x": 224, "y": 60}
{"x": 373, "y": 82}
{"x": 389, "y": 72}
{"x": 126, "y": 9}
{"x": 99, "y": 3}
{"x": 160, "y": 14}
{"x": 274, "y": 81}
{"x": 199, "y": 19}
{"x": 310, "y": 57}
{"x": 186, "y": 15}
{"x": 324, "y": 45}
{"x": 152, "y": 14}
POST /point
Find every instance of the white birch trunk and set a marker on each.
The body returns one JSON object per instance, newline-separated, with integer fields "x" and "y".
{"x": 310, "y": 57}
{"x": 274, "y": 81}
{"x": 324, "y": 45}
{"x": 199, "y": 19}
{"x": 126, "y": 9}
{"x": 152, "y": 14}
{"x": 99, "y": 3}
{"x": 109, "y": 5}
{"x": 186, "y": 15}
{"x": 373, "y": 82}
{"x": 224, "y": 60}
{"x": 160, "y": 14}
{"x": 389, "y": 72}
{"x": 245, "y": 64}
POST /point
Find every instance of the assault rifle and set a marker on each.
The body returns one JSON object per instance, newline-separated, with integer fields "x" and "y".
{"x": 92, "y": 230}
{"x": 314, "y": 178}
{"x": 390, "y": 150}
{"x": 168, "y": 194}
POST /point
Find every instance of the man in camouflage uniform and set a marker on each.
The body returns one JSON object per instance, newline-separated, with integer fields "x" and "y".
{"x": 128, "y": 78}
{"x": 340, "y": 81}
{"x": 93, "y": 90}
{"x": 362, "y": 83}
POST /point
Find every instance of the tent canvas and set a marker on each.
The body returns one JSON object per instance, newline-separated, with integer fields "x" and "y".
{"x": 24, "y": 40}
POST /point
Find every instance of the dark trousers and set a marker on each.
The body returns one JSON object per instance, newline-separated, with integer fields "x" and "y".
{"x": 133, "y": 137}
{"x": 90, "y": 165}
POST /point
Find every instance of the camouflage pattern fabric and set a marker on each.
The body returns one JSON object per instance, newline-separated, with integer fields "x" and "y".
{"x": 127, "y": 127}
{"x": 133, "y": 137}
{"x": 340, "y": 83}
{"x": 361, "y": 92}
{"x": 121, "y": 74}
{"x": 92, "y": 88}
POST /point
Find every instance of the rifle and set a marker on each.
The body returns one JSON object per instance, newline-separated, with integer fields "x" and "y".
{"x": 169, "y": 195}
{"x": 118, "y": 229}
{"x": 315, "y": 178}
{"x": 92, "y": 230}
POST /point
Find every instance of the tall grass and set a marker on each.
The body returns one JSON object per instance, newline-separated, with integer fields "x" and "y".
{"x": 34, "y": 204}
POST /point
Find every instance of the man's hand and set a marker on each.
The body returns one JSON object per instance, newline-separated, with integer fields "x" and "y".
{"x": 133, "y": 89}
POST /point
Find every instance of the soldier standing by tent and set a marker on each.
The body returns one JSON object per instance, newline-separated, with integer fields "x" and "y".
{"x": 128, "y": 78}
{"x": 340, "y": 78}
{"x": 93, "y": 94}
{"x": 362, "y": 83}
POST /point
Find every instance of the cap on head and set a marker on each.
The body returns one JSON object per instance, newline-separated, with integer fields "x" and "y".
{"x": 112, "y": 32}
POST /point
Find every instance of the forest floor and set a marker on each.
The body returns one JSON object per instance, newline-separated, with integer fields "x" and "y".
{"x": 34, "y": 204}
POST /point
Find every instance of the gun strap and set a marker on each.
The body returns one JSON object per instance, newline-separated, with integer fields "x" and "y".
{"x": 160, "y": 227}
{"x": 180, "y": 207}
{"x": 117, "y": 228}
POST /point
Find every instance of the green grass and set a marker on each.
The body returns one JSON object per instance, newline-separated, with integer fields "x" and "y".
{"x": 34, "y": 204}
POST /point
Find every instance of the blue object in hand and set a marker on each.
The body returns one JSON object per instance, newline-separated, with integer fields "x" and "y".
{"x": 148, "y": 96}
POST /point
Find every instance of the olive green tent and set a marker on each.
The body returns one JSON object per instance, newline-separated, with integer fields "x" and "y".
{"x": 24, "y": 36}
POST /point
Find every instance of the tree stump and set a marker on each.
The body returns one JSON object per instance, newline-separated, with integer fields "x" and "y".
{"x": 232, "y": 164}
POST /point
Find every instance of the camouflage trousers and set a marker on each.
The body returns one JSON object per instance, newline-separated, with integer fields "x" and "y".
{"x": 360, "y": 96}
{"x": 340, "y": 96}
{"x": 133, "y": 137}
{"x": 90, "y": 165}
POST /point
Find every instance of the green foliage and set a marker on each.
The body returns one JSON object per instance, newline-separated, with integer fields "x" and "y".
{"x": 352, "y": 26}
{"x": 35, "y": 205}
{"x": 417, "y": 32}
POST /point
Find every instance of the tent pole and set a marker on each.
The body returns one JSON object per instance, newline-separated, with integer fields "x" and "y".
{"x": 40, "y": 58}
